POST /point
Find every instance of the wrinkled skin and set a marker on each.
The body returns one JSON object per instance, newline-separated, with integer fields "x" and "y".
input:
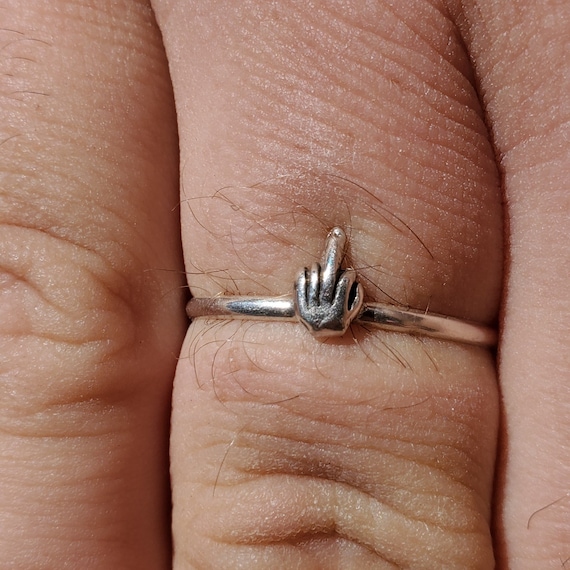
{"x": 436, "y": 133}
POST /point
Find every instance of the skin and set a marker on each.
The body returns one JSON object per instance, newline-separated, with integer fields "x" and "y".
{"x": 435, "y": 133}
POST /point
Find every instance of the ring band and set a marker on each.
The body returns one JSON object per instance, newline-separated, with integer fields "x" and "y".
{"x": 327, "y": 299}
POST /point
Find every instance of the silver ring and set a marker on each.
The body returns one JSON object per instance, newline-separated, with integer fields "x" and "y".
{"x": 328, "y": 299}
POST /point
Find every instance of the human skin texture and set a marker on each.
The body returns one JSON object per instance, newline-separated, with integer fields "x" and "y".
{"x": 435, "y": 133}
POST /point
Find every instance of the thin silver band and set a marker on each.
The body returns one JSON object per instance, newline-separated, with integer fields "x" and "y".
{"x": 327, "y": 299}
{"x": 377, "y": 315}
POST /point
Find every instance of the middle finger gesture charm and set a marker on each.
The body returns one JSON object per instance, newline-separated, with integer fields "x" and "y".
{"x": 327, "y": 298}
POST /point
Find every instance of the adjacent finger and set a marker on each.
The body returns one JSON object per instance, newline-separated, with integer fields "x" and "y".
{"x": 90, "y": 310}
{"x": 521, "y": 52}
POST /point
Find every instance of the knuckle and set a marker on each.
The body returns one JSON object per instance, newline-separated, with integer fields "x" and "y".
{"x": 68, "y": 318}
{"x": 348, "y": 458}
{"x": 60, "y": 291}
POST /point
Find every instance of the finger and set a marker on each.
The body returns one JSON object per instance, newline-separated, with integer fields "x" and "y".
{"x": 301, "y": 291}
{"x": 90, "y": 310}
{"x": 367, "y": 452}
{"x": 521, "y": 54}
{"x": 332, "y": 258}
{"x": 314, "y": 288}
{"x": 348, "y": 291}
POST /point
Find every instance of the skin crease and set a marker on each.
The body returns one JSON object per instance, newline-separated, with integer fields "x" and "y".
{"x": 429, "y": 130}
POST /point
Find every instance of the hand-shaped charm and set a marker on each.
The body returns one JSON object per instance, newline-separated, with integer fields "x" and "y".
{"x": 327, "y": 299}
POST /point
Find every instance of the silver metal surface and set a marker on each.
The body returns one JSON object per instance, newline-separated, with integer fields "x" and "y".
{"x": 327, "y": 299}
